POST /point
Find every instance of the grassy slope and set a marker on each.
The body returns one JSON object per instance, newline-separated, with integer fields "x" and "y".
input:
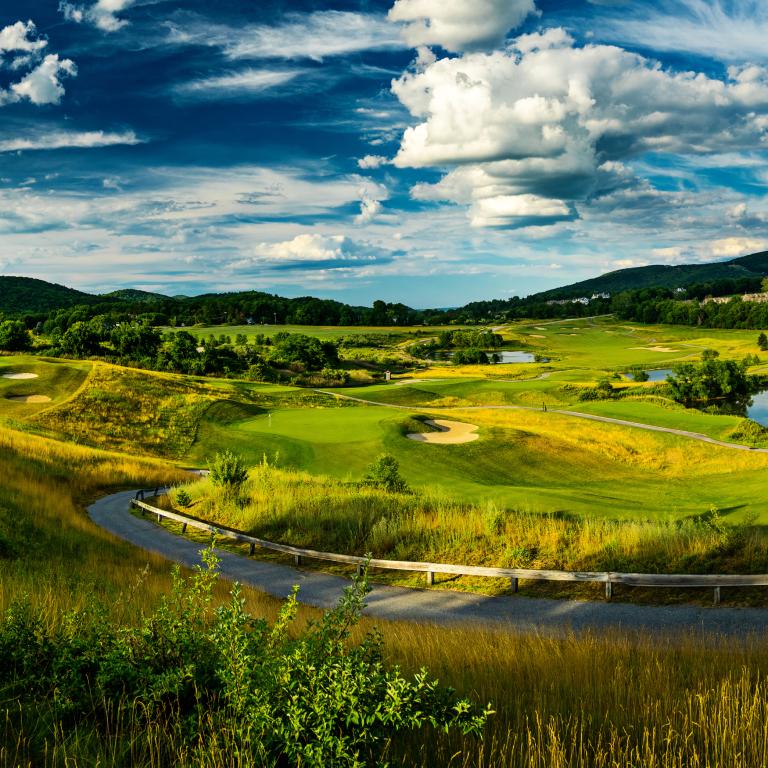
{"x": 577, "y": 701}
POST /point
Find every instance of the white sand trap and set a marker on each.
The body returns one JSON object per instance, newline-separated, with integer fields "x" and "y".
{"x": 537, "y": 336}
{"x": 450, "y": 433}
{"x": 30, "y": 399}
{"x": 405, "y": 382}
{"x": 539, "y": 327}
{"x": 19, "y": 376}
{"x": 657, "y": 349}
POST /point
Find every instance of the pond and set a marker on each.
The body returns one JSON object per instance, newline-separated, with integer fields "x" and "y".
{"x": 507, "y": 356}
{"x": 656, "y": 374}
{"x": 758, "y": 411}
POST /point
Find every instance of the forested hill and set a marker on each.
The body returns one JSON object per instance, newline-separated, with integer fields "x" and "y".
{"x": 39, "y": 301}
{"x": 19, "y": 295}
{"x": 659, "y": 276}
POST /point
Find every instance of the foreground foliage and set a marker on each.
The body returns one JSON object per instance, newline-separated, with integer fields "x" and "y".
{"x": 272, "y": 699}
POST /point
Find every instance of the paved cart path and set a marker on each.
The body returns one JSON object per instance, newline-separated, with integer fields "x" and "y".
{"x": 516, "y": 613}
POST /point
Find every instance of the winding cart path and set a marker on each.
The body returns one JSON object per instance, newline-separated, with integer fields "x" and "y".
{"x": 515, "y": 613}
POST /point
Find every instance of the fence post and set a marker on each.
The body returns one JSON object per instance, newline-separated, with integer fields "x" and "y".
{"x": 253, "y": 549}
{"x": 184, "y": 528}
{"x": 359, "y": 570}
{"x": 297, "y": 559}
{"x": 608, "y": 590}
{"x": 430, "y": 578}
{"x": 717, "y": 595}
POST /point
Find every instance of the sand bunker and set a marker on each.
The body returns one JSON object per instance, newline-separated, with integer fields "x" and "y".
{"x": 450, "y": 433}
{"x": 539, "y": 327}
{"x": 405, "y": 382}
{"x": 29, "y": 399}
{"x": 537, "y": 336}
{"x": 657, "y": 349}
{"x": 19, "y": 376}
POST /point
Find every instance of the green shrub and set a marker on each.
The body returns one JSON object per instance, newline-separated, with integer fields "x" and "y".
{"x": 384, "y": 473}
{"x": 225, "y": 682}
{"x": 228, "y": 471}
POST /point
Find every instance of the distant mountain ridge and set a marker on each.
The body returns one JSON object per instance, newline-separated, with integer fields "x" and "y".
{"x": 659, "y": 276}
{"x": 26, "y": 295}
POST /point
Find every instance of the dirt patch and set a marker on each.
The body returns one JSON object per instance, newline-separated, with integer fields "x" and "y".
{"x": 18, "y": 376}
{"x": 449, "y": 432}
{"x": 29, "y": 399}
{"x": 657, "y": 349}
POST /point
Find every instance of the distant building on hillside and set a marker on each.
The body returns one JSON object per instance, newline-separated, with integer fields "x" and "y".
{"x": 757, "y": 298}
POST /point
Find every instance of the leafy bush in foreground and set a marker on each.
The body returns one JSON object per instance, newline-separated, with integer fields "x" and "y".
{"x": 271, "y": 699}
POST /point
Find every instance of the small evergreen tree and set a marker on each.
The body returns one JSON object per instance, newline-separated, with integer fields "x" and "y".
{"x": 762, "y": 341}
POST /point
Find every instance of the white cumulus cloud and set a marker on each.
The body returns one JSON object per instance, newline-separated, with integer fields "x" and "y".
{"x": 551, "y": 120}
{"x": 103, "y": 14}
{"x": 19, "y": 37}
{"x": 371, "y": 162}
{"x": 43, "y": 84}
{"x": 311, "y": 247}
{"x": 459, "y": 25}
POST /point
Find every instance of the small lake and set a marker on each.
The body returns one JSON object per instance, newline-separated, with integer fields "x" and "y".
{"x": 758, "y": 411}
{"x": 657, "y": 374}
{"x": 507, "y": 356}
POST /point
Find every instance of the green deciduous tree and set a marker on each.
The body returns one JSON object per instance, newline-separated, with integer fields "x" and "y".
{"x": 14, "y": 336}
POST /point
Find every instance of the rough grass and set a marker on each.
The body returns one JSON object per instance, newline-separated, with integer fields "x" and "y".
{"x": 321, "y": 513}
{"x": 577, "y": 701}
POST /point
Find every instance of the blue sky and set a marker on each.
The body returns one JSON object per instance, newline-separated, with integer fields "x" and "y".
{"x": 427, "y": 151}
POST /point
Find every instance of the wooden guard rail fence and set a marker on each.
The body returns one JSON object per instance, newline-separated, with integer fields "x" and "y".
{"x": 609, "y": 578}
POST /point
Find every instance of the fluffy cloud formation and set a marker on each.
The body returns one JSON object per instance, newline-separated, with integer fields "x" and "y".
{"x": 69, "y": 139}
{"x": 459, "y": 25}
{"x": 371, "y": 162}
{"x": 20, "y": 37}
{"x": 42, "y": 84}
{"x": 537, "y": 129}
{"x": 102, "y": 15}
{"x": 319, "y": 249}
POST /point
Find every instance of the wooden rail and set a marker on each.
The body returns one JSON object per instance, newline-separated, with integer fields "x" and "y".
{"x": 609, "y": 578}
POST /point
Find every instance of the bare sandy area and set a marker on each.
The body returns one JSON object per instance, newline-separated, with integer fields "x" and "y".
{"x": 450, "y": 433}
{"x": 657, "y": 349}
{"x": 404, "y": 382}
{"x": 539, "y": 327}
{"x": 19, "y": 376}
{"x": 538, "y": 336}
{"x": 30, "y": 399}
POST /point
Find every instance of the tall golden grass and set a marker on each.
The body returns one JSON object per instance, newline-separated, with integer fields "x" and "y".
{"x": 304, "y": 510}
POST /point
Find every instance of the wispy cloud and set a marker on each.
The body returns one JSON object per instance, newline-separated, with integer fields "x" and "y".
{"x": 233, "y": 84}
{"x": 733, "y": 31}
{"x": 69, "y": 139}
{"x": 316, "y": 36}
